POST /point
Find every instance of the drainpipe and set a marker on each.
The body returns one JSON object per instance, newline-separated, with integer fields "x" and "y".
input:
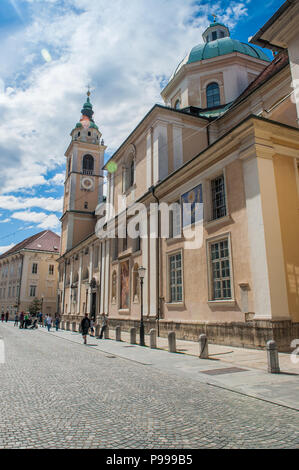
{"x": 152, "y": 189}
{"x": 20, "y": 282}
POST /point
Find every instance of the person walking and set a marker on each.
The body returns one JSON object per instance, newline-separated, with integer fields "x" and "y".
{"x": 6, "y": 316}
{"x": 22, "y": 320}
{"x": 26, "y": 321}
{"x": 49, "y": 322}
{"x": 16, "y": 319}
{"x": 40, "y": 316}
{"x": 2, "y": 317}
{"x": 57, "y": 321}
{"x": 104, "y": 326}
{"x": 85, "y": 325}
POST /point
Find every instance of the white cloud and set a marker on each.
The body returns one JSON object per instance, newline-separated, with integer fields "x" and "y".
{"x": 5, "y": 221}
{"x": 3, "y": 249}
{"x": 13, "y": 203}
{"x": 41, "y": 219}
{"x": 124, "y": 49}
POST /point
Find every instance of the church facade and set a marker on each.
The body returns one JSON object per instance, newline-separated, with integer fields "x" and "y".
{"x": 203, "y": 194}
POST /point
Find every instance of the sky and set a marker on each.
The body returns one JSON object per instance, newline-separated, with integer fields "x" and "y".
{"x": 51, "y": 50}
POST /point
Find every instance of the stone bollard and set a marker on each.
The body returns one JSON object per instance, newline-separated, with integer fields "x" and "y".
{"x": 118, "y": 333}
{"x": 106, "y": 333}
{"x": 153, "y": 339}
{"x": 74, "y": 326}
{"x": 203, "y": 347}
{"x": 133, "y": 335}
{"x": 273, "y": 360}
{"x": 171, "y": 342}
{"x": 97, "y": 330}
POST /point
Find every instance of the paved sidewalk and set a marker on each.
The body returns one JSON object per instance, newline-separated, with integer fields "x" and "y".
{"x": 253, "y": 358}
{"x": 238, "y": 370}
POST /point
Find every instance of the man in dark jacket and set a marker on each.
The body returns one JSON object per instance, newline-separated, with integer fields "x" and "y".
{"x": 85, "y": 325}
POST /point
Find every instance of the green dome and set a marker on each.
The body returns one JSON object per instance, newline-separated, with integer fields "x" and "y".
{"x": 79, "y": 124}
{"x": 221, "y": 47}
{"x": 87, "y": 104}
{"x": 224, "y": 46}
{"x": 94, "y": 126}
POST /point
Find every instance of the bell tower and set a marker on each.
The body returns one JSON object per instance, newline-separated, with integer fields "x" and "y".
{"x": 83, "y": 187}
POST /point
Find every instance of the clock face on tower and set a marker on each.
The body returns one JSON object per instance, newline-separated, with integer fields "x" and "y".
{"x": 87, "y": 183}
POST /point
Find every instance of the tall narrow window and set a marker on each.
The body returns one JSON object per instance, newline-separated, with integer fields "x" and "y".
{"x": 218, "y": 197}
{"x": 175, "y": 220}
{"x": 213, "y": 95}
{"x": 220, "y": 270}
{"x": 34, "y": 268}
{"x": 175, "y": 278}
{"x": 32, "y": 291}
{"x": 51, "y": 269}
{"x": 88, "y": 165}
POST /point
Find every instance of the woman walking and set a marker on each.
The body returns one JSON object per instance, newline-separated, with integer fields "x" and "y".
{"x": 85, "y": 325}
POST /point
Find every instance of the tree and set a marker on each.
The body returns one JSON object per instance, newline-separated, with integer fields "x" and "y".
{"x": 35, "y": 307}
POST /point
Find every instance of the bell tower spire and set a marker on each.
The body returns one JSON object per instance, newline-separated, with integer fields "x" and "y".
{"x": 83, "y": 189}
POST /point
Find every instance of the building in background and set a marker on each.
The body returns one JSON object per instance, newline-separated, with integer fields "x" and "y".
{"x": 29, "y": 270}
{"x": 227, "y": 138}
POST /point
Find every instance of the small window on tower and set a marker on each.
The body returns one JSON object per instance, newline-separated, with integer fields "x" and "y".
{"x": 79, "y": 133}
{"x": 214, "y": 35}
{"x": 89, "y": 133}
{"x": 85, "y": 205}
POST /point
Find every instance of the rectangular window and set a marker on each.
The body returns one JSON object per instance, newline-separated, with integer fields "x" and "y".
{"x": 34, "y": 268}
{"x": 175, "y": 220}
{"x": 9, "y": 292}
{"x": 32, "y": 291}
{"x": 51, "y": 269}
{"x": 175, "y": 278}
{"x": 220, "y": 270}
{"x": 218, "y": 197}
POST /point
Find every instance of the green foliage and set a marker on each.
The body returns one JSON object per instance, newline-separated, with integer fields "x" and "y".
{"x": 35, "y": 306}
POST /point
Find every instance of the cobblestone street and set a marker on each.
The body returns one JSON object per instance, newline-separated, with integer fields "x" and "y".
{"x": 59, "y": 394}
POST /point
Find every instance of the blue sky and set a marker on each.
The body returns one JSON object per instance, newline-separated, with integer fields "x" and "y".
{"x": 52, "y": 49}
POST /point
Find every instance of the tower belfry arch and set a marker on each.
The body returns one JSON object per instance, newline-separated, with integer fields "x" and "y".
{"x": 84, "y": 179}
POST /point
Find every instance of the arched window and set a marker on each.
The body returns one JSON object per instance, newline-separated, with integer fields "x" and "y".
{"x": 129, "y": 175}
{"x": 88, "y": 165}
{"x": 213, "y": 95}
{"x": 177, "y": 104}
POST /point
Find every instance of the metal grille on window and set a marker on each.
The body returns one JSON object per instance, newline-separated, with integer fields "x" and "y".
{"x": 176, "y": 282}
{"x": 221, "y": 270}
{"x": 218, "y": 197}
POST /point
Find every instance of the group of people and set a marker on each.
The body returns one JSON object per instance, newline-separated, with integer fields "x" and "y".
{"x": 4, "y": 316}
{"x": 25, "y": 320}
{"x": 87, "y": 324}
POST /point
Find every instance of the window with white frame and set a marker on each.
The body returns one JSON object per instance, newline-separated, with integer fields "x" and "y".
{"x": 221, "y": 281}
{"x": 218, "y": 197}
{"x": 175, "y": 220}
{"x": 175, "y": 278}
{"x": 32, "y": 291}
{"x": 51, "y": 269}
{"x": 34, "y": 268}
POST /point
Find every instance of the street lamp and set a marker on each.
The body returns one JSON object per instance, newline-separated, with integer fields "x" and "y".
{"x": 141, "y": 274}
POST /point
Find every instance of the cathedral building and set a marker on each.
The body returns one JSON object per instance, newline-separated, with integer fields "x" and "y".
{"x": 222, "y": 154}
